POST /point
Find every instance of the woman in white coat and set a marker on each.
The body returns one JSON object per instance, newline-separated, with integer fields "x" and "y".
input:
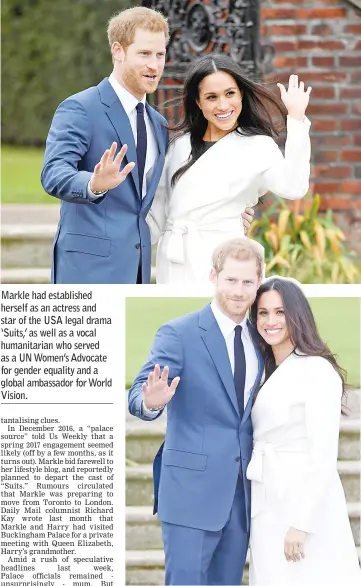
{"x": 300, "y": 530}
{"x": 222, "y": 161}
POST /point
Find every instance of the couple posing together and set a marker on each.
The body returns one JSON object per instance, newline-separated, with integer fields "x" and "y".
{"x": 250, "y": 453}
{"x": 122, "y": 188}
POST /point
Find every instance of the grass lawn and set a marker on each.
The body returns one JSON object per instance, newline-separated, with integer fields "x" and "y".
{"x": 338, "y": 321}
{"x": 20, "y": 177}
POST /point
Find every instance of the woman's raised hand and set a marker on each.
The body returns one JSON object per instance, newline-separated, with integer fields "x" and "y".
{"x": 295, "y": 98}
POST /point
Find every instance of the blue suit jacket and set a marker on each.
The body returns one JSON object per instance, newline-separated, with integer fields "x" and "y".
{"x": 206, "y": 440}
{"x": 98, "y": 241}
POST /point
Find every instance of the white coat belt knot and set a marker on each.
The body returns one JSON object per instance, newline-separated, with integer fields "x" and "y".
{"x": 265, "y": 460}
{"x": 264, "y": 455}
{"x": 179, "y": 228}
{"x": 175, "y": 248}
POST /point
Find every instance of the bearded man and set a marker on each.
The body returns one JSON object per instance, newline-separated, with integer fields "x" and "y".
{"x": 214, "y": 367}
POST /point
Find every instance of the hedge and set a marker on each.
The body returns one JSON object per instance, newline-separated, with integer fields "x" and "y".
{"x": 51, "y": 49}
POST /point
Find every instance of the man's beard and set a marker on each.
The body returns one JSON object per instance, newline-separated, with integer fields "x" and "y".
{"x": 133, "y": 81}
{"x": 225, "y": 304}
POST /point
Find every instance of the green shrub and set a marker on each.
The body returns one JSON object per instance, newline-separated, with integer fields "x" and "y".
{"x": 302, "y": 244}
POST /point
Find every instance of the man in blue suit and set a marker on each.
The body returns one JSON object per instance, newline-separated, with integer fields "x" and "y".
{"x": 107, "y": 191}
{"x": 106, "y": 238}
{"x": 212, "y": 358}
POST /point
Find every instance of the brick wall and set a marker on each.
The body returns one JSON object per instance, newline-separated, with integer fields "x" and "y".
{"x": 320, "y": 40}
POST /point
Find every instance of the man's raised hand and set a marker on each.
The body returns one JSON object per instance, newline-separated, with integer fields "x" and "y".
{"x": 156, "y": 392}
{"x": 106, "y": 173}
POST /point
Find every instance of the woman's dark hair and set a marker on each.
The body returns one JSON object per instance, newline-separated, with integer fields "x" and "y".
{"x": 260, "y": 107}
{"x": 301, "y": 326}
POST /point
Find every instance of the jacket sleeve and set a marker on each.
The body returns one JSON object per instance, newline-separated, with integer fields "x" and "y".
{"x": 166, "y": 351}
{"x": 322, "y": 416}
{"x": 288, "y": 176}
{"x": 68, "y": 141}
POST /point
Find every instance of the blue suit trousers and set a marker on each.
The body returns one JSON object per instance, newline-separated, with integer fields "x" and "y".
{"x": 194, "y": 556}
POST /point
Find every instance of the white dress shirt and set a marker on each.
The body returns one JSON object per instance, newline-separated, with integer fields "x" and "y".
{"x": 227, "y": 325}
{"x": 129, "y": 103}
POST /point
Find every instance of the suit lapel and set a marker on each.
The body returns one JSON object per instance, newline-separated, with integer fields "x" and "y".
{"x": 158, "y": 168}
{"x": 257, "y": 382}
{"x": 216, "y": 346}
{"x": 120, "y": 121}
{"x": 157, "y": 129}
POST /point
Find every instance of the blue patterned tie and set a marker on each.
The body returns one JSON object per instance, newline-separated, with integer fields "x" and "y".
{"x": 141, "y": 144}
{"x": 239, "y": 368}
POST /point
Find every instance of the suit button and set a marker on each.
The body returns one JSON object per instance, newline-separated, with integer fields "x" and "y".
{"x": 237, "y": 459}
{"x": 137, "y": 245}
